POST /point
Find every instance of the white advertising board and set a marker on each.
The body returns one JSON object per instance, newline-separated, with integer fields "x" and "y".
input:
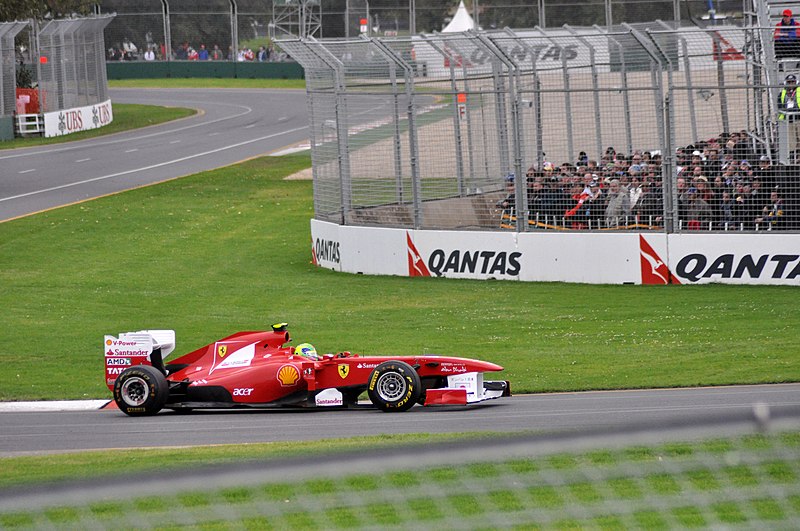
{"x": 608, "y": 258}
{"x": 68, "y": 121}
{"x": 766, "y": 258}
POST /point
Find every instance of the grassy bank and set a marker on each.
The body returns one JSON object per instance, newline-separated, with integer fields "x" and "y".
{"x": 229, "y": 250}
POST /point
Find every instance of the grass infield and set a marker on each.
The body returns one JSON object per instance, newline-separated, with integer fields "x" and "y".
{"x": 229, "y": 250}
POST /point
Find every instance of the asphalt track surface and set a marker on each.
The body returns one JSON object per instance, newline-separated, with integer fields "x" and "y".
{"x": 232, "y": 125}
{"x": 51, "y": 432}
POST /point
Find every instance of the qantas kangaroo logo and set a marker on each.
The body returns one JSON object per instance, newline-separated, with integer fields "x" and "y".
{"x": 654, "y": 270}
{"x": 416, "y": 265}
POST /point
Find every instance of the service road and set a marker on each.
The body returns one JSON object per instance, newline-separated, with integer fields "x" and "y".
{"x": 26, "y": 433}
{"x": 232, "y": 125}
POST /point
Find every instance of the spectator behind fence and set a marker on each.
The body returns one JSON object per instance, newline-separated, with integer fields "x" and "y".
{"x": 786, "y": 36}
{"x": 508, "y": 203}
{"x": 772, "y": 213}
{"x": 619, "y": 204}
{"x": 202, "y": 53}
{"x": 789, "y": 109}
{"x": 217, "y": 54}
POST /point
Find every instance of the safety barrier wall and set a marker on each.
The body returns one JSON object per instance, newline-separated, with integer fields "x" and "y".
{"x": 595, "y": 258}
{"x": 202, "y": 69}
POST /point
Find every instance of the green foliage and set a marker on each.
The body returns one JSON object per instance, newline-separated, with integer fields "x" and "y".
{"x": 24, "y": 76}
{"x": 25, "y": 9}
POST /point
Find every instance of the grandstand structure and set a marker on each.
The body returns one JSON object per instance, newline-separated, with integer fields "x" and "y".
{"x": 429, "y": 137}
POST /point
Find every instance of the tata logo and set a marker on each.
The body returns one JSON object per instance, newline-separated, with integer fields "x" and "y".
{"x": 244, "y": 391}
{"x": 327, "y": 250}
{"x": 697, "y": 266}
{"x": 482, "y": 262}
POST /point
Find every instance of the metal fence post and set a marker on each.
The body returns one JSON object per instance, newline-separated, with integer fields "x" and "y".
{"x": 234, "y": 25}
{"x": 408, "y": 75}
{"x": 167, "y": 30}
{"x": 567, "y": 99}
{"x": 520, "y": 183}
{"x": 595, "y": 89}
{"x": 340, "y": 93}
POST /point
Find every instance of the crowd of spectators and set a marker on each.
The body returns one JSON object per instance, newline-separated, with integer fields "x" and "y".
{"x": 721, "y": 184}
{"x": 128, "y": 51}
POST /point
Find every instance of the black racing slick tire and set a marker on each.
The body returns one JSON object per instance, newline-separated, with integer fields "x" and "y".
{"x": 141, "y": 390}
{"x": 394, "y": 386}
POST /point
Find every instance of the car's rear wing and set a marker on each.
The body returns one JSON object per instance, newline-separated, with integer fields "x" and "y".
{"x": 145, "y": 347}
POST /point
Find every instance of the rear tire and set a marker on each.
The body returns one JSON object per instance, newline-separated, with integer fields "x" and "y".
{"x": 141, "y": 390}
{"x": 394, "y": 386}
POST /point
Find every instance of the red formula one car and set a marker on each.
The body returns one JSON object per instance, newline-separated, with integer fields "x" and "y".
{"x": 259, "y": 370}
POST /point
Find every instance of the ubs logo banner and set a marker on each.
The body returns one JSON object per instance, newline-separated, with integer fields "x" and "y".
{"x": 465, "y": 263}
{"x": 66, "y": 121}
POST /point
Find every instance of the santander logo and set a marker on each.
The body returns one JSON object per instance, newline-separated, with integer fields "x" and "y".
{"x": 416, "y": 265}
{"x": 654, "y": 270}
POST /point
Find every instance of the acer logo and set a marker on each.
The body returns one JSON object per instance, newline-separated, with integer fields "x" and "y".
{"x": 243, "y": 391}
{"x": 483, "y": 262}
{"x": 327, "y": 250}
{"x": 696, "y": 266}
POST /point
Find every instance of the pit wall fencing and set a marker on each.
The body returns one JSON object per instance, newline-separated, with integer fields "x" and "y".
{"x": 605, "y": 258}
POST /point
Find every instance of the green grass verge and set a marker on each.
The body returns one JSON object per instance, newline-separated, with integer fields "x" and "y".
{"x": 36, "y": 469}
{"x": 175, "y": 82}
{"x": 229, "y": 250}
{"x": 126, "y": 116}
{"x": 623, "y": 490}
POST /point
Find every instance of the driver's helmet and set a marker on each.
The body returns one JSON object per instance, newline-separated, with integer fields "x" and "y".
{"x": 306, "y": 350}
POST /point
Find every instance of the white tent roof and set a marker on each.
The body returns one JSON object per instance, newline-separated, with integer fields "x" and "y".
{"x": 462, "y": 21}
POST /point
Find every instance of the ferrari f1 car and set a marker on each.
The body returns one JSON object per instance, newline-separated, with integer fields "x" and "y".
{"x": 260, "y": 370}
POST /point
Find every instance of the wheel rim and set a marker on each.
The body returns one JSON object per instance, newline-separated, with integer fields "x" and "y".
{"x": 135, "y": 391}
{"x": 391, "y": 386}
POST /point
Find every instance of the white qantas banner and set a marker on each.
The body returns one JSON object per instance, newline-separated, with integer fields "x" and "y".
{"x": 606, "y": 258}
{"x": 68, "y": 121}
{"x": 766, "y": 258}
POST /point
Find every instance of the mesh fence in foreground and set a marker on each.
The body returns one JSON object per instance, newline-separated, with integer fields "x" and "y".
{"x": 739, "y": 479}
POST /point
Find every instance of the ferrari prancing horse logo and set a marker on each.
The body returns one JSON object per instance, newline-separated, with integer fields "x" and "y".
{"x": 344, "y": 370}
{"x": 222, "y": 350}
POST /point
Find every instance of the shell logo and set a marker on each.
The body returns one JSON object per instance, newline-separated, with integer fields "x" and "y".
{"x": 288, "y": 375}
{"x": 108, "y": 342}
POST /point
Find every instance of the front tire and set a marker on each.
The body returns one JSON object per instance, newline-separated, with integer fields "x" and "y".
{"x": 394, "y": 386}
{"x": 141, "y": 390}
